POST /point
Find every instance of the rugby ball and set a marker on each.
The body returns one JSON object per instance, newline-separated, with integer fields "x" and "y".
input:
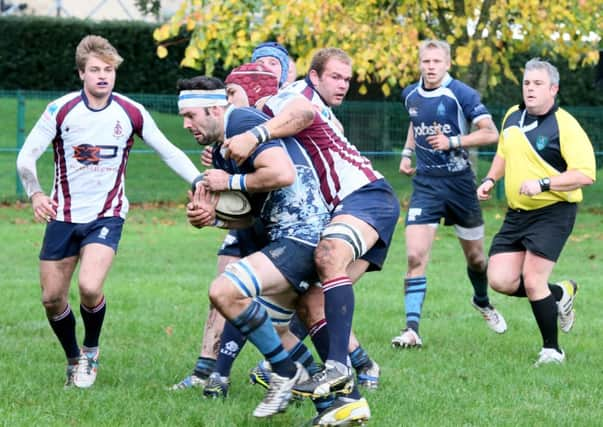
{"x": 232, "y": 205}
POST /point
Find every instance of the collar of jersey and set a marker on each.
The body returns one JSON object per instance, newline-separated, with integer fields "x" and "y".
{"x": 445, "y": 82}
{"x": 309, "y": 82}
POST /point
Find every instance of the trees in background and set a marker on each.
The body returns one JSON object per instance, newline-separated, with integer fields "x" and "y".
{"x": 382, "y": 36}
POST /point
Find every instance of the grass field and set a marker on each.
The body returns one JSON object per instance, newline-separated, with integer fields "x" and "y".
{"x": 157, "y": 299}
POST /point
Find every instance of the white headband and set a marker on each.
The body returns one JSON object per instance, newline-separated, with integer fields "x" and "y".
{"x": 202, "y": 98}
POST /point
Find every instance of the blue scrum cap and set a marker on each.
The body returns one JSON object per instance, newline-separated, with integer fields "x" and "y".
{"x": 277, "y": 51}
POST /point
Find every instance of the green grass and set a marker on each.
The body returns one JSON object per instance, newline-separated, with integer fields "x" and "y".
{"x": 157, "y": 300}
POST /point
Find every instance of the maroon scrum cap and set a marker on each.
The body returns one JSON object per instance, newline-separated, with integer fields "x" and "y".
{"x": 256, "y": 81}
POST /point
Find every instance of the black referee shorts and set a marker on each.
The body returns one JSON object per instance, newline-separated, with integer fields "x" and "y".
{"x": 541, "y": 231}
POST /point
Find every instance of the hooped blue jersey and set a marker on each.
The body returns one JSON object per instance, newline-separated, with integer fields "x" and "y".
{"x": 297, "y": 211}
{"x": 450, "y": 109}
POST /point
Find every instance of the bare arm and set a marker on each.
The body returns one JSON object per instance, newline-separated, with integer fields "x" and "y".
{"x": 273, "y": 169}
{"x": 485, "y": 133}
{"x": 296, "y": 116}
{"x": 570, "y": 180}
{"x": 567, "y": 181}
{"x": 496, "y": 172}
{"x": 409, "y": 148}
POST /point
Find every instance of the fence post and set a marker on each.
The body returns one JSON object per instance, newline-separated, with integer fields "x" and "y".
{"x": 20, "y": 137}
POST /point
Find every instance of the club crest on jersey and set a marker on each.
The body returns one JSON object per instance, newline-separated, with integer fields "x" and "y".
{"x": 541, "y": 142}
{"x": 325, "y": 112}
{"x": 441, "y": 110}
{"x": 413, "y": 111}
{"x": 118, "y": 131}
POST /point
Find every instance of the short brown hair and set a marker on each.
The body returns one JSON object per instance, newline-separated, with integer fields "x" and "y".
{"x": 320, "y": 58}
{"x": 99, "y": 47}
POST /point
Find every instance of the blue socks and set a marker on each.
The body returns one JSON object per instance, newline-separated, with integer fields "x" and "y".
{"x": 414, "y": 295}
{"x": 255, "y": 323}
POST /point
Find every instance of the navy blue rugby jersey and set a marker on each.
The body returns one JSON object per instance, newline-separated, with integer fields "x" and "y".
{"x": 450, "y": 109}
{"x": 297, "y": 211}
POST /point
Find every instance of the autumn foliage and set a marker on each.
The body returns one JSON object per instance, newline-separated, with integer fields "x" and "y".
{"x": 382, "y": 36}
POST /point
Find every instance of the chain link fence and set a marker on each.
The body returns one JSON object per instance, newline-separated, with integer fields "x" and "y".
{"x": 378, "y": 129}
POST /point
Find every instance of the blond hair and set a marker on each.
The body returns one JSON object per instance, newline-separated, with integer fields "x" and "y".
{"x": 434, "y": 44}
{"x": 96, "y": 46}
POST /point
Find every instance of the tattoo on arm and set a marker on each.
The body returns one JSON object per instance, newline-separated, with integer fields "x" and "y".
{"x": 297, "y": 121}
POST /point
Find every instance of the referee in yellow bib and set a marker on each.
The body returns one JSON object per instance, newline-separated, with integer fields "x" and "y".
{"x": 545, "y": 158}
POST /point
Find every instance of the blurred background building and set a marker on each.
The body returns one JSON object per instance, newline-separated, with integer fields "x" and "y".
{"x": 91, "y": 9}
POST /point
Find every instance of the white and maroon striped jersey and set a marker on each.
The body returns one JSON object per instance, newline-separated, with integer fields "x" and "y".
{"x": 91, "y": 150}
{"x": 340, "y": 166}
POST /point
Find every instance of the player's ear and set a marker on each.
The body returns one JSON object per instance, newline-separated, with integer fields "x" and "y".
{"x": 554, "y": 89}
{"x": 215, "y": 111}
{"x": 313, "y": 77}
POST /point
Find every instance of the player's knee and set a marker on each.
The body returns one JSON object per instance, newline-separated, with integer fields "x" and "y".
{"x": 497, "y": 284}
{"x": 219, "y": 293}
{"x": 90, "y": 293}
{"x": 323, "y": 257}
{"x": 502, "y": 283}
{"x": 346, "y": 235}
{"x": 313, "y": 314}
{"x": 53, "y": 303}
{"x": 415, "y": 259}
{"x": 309, "y": 304}
{"x": 476, "y": 261}
{"x": 532, "y": 282}
{"x": 331, "y": 258}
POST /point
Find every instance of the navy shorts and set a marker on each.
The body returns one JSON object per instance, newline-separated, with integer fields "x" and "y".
{"x": 295, "y": 260}
{"x": 453, "y": 198}
{"x": 242, "y": 242}
{"x": 377, "y": 205}
{"x": 65, "y": 239}
{"x": 541, "y": 231}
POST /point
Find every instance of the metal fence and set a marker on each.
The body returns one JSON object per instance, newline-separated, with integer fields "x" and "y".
{"x": 378, "y": 129}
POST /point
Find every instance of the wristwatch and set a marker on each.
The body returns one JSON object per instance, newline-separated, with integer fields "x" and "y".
{"x": 489, "y": 178}
{"x": 545, "y": 184}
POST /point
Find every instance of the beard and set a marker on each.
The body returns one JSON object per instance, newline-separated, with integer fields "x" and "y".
{"x": 209, "y": 138}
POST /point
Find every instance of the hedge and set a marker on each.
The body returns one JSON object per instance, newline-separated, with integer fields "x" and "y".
{"x": 37, "y": 53}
